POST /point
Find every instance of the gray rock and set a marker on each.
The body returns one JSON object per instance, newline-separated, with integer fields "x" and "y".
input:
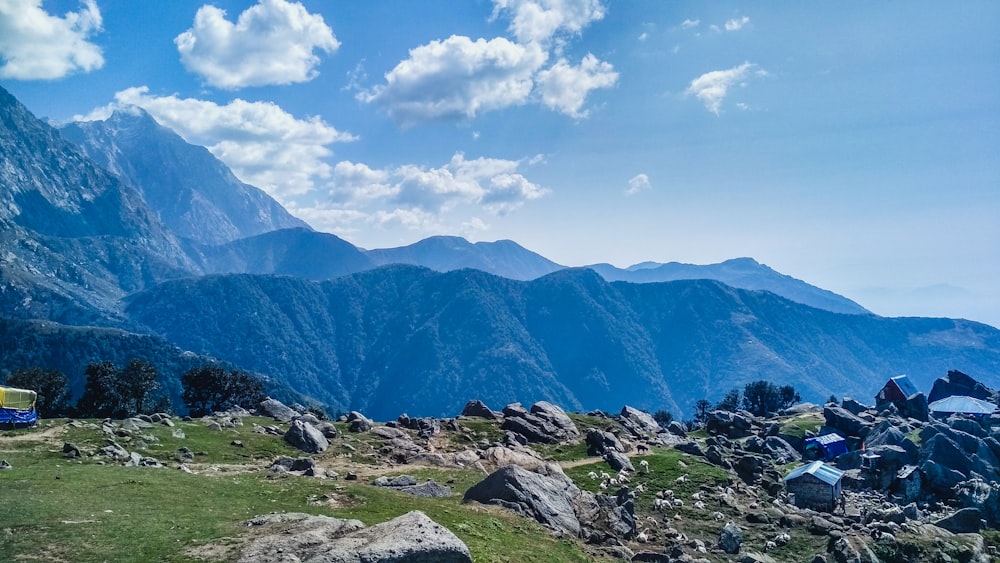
{"x": 71, "y": 450}
{"x": 731, "y": 538}
{"x": 411, "y": 538}
{"x": 549, "y": 499}
{"x": 545, "y": 423}
{"x": 618, "y": 461}
{"x": 284, "y": 463}
{"x": 398, "y": 481}
{"x": 600, "y": 442}
{"x": 479, "y": 409}
{"x": 845, "y": 422}
{"x": 637, "y": 422}
{"x": 358, "y": 422}
{"x": 965, "y": 521}
{"x": 308, "y": 417}
{"x": 306, "y": 437}
{"x": 855, "y": 407}
{"x": 328, "y": 430}
{"x": 983, "y": 496}
{"x": 276, "y": 410}
{"x": 677, "y": 429}
{"x": 728, "y": 424}
{"x": 389, "y": 433}
{"x": 780, "y": 451}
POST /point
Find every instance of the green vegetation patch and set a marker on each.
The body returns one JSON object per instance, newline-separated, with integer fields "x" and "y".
{"x": 798, "y": 425}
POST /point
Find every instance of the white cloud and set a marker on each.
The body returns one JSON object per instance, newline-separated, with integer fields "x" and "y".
{"x": 458, "y": 79}
{"x": 737, "y": 24}
{"x": 495, "y": 184}
{"x": 273, "y": 42}
{"x": 688, "y": 24}
{"x": 565, "y": 88}
{"x": 711, "y": 88}
{"x": 638, "y": 183}
{"x": 263, "y": 144}
{"x": 35, "y": 45}
{"x": 540, "y": 20}
{"x": 643, "y": 36}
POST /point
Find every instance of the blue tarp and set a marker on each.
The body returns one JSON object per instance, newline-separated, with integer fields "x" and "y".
{"x": 832, "y": 445}
{"x": 14, "y": 416}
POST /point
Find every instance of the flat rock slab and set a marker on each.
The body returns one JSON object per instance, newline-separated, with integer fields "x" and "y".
{"x": 410, "y": 538}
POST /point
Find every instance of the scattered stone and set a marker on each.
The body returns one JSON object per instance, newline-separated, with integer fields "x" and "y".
{"x": 236, "y": 443}
{"x": 358, "y": 422}
{"x": 71, "y": 450}
{"x": 637, "y": 422}
{"x": 965, "y": 521}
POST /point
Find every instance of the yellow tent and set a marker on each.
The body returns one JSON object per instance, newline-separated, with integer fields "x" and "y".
{"x": 17, "y": 399}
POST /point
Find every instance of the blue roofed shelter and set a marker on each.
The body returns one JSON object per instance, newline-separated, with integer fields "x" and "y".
{"x": 898, "y": 388}
{"x": 825, "y": 447}
{"x": 815, "y": 485}
{"x": 958, "y": 404}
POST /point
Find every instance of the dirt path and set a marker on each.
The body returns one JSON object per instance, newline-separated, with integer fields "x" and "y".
{"x": 579, "y": 462}
{"x": 50, "y": 434}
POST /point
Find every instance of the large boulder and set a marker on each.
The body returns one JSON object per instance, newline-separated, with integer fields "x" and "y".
{"x": 276, "y": 410}
{"x": 638, "y": 423}
{"x": 501, "y": 456}
{"x": 600, "y": 442}
{"x": 357, "y": 422}
{"x": 965, "y": 521}
{"x": 915, "y": 406}
{"x": 845, "y": 422}
{"x": 780, "y": 451}
{"x": 410, "y": 538}
{"x": 545, "y": 423}
{"x": 958, "y": 383}
{"x": 983, "y": 496}
{"x": 479, "y": 409}
{"x": 729, "y": 424}
{"x": 306, "y": 437}
{"x": 731, "y": 538}
{"x": 618, "y": 461}
{"x": 549, "y": 499}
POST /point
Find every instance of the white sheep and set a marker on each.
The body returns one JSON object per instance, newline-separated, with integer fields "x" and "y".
{"x": 592, "y": 475}
{"x": 699, "y": 505}
{"x": 681, "y": 479}
{"x": 613, "y": 482}
{"x": 696, "y": 495}
{"x": 643, "y": 466}
{"x": 668, "y": 493}
{"x": 769, "y": 545}
{"x": 643, "y": 536}
{"x": 603, "y": 485}
{"x": 605, "y": 476}
{"x": 623, "y": 478}
{"x": 640, "y": 488}
{"x": 718, "y": 516}
{"x": 678, "y": 502}
{"x": 660, "y": 504}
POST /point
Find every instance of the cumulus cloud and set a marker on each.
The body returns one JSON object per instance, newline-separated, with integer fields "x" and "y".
{"x": 458, "y": 79}
{"x": 273, "y": 42}
{"x": 35, "y": 45}
{"x": 495, "y": 184}
{"x": 565, "y": 88}
{"x": 711, "y": 88}
{"x": 263, "y": 144}
{"x": 540, "y": 20}
{"x": 689, "y": 24}
{"x": 638, "y": 183}
{"x": 736, "y": 24}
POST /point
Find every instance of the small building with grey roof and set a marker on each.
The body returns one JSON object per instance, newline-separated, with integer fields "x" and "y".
{"x": 815, "y": 485}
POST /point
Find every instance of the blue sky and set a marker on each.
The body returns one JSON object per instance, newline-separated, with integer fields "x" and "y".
{"x": 855, "y": 145}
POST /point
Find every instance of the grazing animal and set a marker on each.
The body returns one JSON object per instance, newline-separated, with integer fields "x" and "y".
{"x": 699, "y": 505}
{"x": 769, "y": 545}
{"x": 678, "y": 502}
{"x": 605, "y": 476}
{"x": 613, "y": 482}
{"x": 681, "y": 479}
{"x": 603, "y": 485}
{"x": 623, "y": 478}
{"x": 643, "y": 466}
{"x": 660, "y": 504}
{"x": 640, "y": 488}
{"x": 643, "y": 536}
{"x": 696, "y": 495}
{"x": 719, "y": 517}
{"x": 642, "y": 448}
{"x": 592, "y": 475}
{"x": 680, "y": 463}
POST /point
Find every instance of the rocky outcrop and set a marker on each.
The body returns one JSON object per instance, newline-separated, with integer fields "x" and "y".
{"x": 600, "y": 442}
{"x": 729, "y": 424}
{"x": 479, "y": 409}
{"x": 408, "y": 484}
{"x": 410, "y": 538}
{"x": 845, "y": 422}
{"x": 964, "y": 521}
{"x": 958, "y": 383}
{"x": 545, "y": 423}
{"x": 638, "y": 423}
{"x": 357, "y": 422}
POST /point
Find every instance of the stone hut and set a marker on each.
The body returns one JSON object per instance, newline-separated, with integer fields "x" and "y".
{"x": 908, "y": 483}
{"x": 816, "y": 486}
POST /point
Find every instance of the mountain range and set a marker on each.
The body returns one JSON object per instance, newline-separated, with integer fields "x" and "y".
{"x": 135, "y": 230}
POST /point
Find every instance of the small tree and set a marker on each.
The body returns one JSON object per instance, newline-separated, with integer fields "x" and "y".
{"x": 788, "y": 396}
{"x": 701, "y": 408}
{"x": 663, "y": 418}
{"x": 211, "y": 388}
{"x": 137, "y": 381}
{"x": 51, "y": 386}
{"x": 763, "y": 397}
{"x": 101, "y": 393}
{"x": 730, "y": 402}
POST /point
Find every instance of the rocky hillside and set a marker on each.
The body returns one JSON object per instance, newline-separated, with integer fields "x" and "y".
{"x": 521, "y": 484}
